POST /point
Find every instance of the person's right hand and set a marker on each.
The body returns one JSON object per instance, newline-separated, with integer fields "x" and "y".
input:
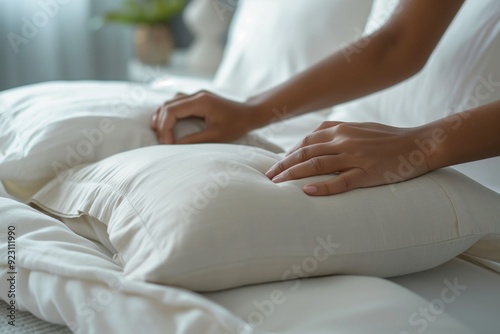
{"x": 225, "y": 120}
{"x": 360, "y": 154}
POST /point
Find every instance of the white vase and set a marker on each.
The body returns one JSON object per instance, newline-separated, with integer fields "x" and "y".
{"x": 209, "y": 28}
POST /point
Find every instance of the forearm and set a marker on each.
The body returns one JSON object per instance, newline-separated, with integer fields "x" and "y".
{"x": 392, "y": 54}
{"x": 468, "y": 136}
{"x": 337, "y": 79}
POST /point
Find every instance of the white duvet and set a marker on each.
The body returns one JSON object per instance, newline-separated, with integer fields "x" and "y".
{"x": 66, "y": 279}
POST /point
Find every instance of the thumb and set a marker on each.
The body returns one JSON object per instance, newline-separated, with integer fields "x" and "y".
{"x": 343, "y": 182}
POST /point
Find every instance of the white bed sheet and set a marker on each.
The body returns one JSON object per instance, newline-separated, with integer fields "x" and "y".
{"x": 478, "y": 302}
{"x": 65, "y": 279}
{"x": 335, "y": 304}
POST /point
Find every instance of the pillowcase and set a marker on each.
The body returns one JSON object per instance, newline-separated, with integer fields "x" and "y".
{"x": 48, "y": 128}
{"x": 463, "y": 72}
{"x": 270, "y": 41}
{"x": 205, "y": 217}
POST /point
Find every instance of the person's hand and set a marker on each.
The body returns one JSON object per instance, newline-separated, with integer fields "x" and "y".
{"x": 225, "y": 120}
{"x": 361, "y": 154}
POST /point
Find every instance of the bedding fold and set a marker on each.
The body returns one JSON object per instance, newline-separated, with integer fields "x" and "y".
{"x": 65, "y": 279}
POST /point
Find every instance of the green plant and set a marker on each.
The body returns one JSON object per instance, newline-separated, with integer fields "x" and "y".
{"x": 146, "y": 12}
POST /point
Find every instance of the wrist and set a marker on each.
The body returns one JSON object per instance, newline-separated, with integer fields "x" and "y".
{"x": 431, "y": 140}
{"x": 264, "y": 111}
{"x": 258, "y": 115}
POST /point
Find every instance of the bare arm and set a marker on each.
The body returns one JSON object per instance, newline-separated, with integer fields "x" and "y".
{"x": 394, "y": 53}
{"x": 370, "y": 154}
{"x": 470, "y": 136}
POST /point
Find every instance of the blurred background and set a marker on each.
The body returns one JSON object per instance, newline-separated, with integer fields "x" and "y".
{"x": 131, "y": 40}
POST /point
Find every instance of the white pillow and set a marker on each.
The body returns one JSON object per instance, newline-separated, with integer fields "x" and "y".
{"x": 270, "y": 41}
{"x": 462, "y": 72}
{"x": 205, "y": 217}
{"x": 48, "y": 128}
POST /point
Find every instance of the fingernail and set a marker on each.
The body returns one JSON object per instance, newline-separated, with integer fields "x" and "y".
{"x": 268, "y": 173}
{"x": 311, "y": 189}
{"x": 278, "y": 179}
{"x": 155, "y": 116}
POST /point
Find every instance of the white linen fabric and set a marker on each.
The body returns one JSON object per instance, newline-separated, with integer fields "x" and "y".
{"x": 48, "y": 128}
{"x": 3, "y": 192}
{"x": 474, "y": 297}
{"x": 339, "y": 304}
{"x": 65, "y": 279}
{"x": 485, "y": 253}
{"x": 205, "y": 217}
{"x": 463, "y": 72}
{"x": 270, "y": 41}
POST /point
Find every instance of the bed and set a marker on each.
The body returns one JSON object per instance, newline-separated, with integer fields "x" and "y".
{"x": 68, "y": 277}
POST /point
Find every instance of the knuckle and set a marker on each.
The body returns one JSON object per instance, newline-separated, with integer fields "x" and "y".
{"x": 206, "y": 98}
{"x": 280, "y": 167}
{"x": 326, "y": 125}
{"x": 302, "y": 154}
{"x": 342, "y": 127}
{"x": 291, "y": 174}
{"x": 329, "y": 189}
{"x": 168, "y": 110}
{"x": 317, "y": 164}
{"x": 307, "y": 139}
{"x": 343, "y": 183}
{"x": 203, "y": 94}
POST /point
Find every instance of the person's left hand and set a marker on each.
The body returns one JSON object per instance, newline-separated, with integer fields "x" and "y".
{"x": 361, "y": 154}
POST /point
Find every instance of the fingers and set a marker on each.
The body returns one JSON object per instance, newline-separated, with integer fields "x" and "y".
{"x": 174, "y": 111}
{"x": 300, "y": 156}
{"x": 154, "y": 117}
{"x": 316, "y": 166}
{"x": 348, "y": 180}
{"x": 315, "y": 137}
